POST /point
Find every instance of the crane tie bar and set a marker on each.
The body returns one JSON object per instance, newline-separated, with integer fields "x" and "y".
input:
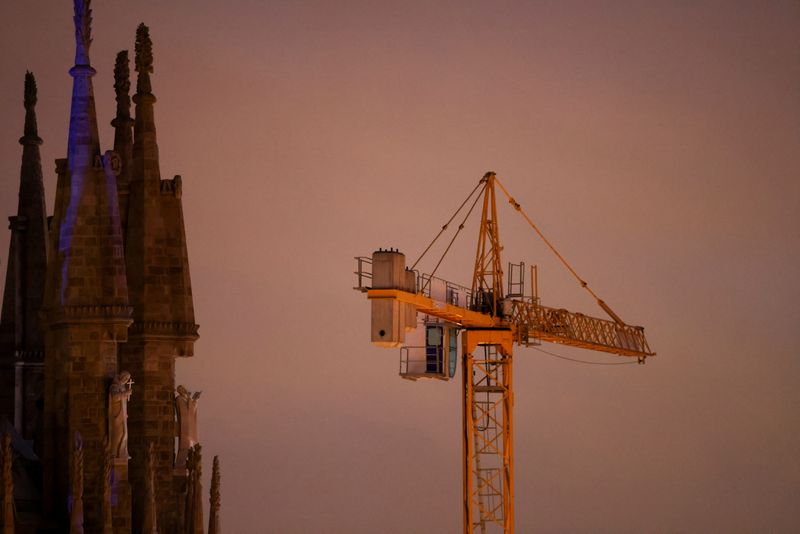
{"x": 580, "y": 280}
{"x": 447, "y": 224}
{"x": 460, "y": 227}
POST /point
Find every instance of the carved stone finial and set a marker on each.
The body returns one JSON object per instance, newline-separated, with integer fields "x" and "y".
{"x": 30, "y": 90}
{"x": 83, "y": 31}
{"x": 194, "y": 492}
{"x": 214, "y": 502}
{"x": 122, "y": 74}
{"x": 31, "y": 131}
{"x": 144, "y": 59}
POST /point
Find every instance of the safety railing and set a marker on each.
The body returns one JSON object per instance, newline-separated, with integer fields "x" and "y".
{"x": 429, "y": 286}
{"x": 416, "y": 362}
{"x": 363, "y": 273}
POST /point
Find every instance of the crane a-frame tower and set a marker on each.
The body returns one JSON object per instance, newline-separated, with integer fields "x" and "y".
{"x": 491, "y": 322}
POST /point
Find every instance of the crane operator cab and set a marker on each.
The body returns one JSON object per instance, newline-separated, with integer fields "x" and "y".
{"x": 432, "y": 351}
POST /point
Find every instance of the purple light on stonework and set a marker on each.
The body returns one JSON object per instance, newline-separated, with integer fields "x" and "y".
{"x": 114, "y": 489}
{"x": 67, "y": 230}
{"x": 81, "y": 145}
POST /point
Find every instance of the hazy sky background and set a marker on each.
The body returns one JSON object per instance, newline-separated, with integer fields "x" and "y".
{"x": 656, "y": 143}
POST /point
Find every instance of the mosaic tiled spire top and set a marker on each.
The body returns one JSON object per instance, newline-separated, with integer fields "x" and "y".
{"x": 83, "y": 31}
{"x": 144, "y": 59}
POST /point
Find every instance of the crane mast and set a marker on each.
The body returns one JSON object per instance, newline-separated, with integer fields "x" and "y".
{"x": 487, "y": 381}
{"x": 490, "y": 325}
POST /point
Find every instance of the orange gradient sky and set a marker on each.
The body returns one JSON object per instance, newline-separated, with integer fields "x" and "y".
{"x": 656, "y": 143}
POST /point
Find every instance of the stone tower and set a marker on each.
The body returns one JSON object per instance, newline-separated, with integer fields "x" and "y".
{"x": 100, "y": 293}
{"x": 86, "y": 307}
{"x": 21, "y": 339}
{"x": 161, "y": 295}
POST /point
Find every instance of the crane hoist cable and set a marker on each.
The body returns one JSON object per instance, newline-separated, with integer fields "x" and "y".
{"x": 447, "y": 224}
{"x": 580, "y": 361}
{"x": 460, "y": 227}
{"x": 581, "y": 281}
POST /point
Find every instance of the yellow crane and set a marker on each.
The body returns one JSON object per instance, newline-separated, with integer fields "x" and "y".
{"x": 490, "y": 323}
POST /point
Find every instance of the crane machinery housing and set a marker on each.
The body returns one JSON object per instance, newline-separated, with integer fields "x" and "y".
{"x": 490, "y": 322}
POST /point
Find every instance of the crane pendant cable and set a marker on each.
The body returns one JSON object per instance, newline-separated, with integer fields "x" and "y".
{"x": 580, "y": 280}
{"x": 482, "y": 186}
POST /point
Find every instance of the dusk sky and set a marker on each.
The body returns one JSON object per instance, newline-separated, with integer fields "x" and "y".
{"x": 657, "y": 144}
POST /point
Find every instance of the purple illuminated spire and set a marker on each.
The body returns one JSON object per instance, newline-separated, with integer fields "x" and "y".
{"x": 89, "y": 244}
{"x": 83, "y": 145}
{"x": 83, "y": 31}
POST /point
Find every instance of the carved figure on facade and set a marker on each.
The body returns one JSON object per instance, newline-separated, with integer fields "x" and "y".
{"x": 118, "y": 396}
{"x": 186, "y": 407}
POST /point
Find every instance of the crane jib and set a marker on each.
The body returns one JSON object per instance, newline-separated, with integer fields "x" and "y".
{"x": 532, "y": 323}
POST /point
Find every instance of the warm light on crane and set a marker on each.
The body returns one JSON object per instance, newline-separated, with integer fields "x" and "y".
{"x": 491, "y": 323}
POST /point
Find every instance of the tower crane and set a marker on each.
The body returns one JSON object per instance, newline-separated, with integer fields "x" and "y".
{"x": 491, "y": 322}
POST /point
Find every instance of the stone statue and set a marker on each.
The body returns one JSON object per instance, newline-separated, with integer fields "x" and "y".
{"x": 186, "y": 406}
{"x": 118, "y": 396}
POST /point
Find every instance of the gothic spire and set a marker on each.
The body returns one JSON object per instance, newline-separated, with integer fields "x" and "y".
{"x": 89, "y": 266}
{"x": 84, "y": 144}
{"x": 123, "y": 132}
{"x": 144, "y": 59}
{"x": 145, "y": 146}
{"x": 27, "y": 254}
{"x": 83, "y": 31}
{"x": 214, "y": 502}
{"x": 31, "y": 132}
{"x": 122, "y": 87}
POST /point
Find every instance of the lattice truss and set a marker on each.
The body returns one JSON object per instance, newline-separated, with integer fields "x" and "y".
{"x": 489, "y": 460}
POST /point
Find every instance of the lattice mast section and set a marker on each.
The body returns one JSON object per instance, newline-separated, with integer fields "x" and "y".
{"x": 487, "y": 278}
{"x": 488, "y": 432}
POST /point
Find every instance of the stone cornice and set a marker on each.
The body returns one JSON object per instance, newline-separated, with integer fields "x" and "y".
{"x": 95, "y": 313}
{"x": 164, "y": 329}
